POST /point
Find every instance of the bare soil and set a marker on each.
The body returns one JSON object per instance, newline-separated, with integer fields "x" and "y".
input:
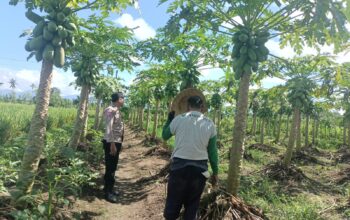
{"x": 137, "y": 180}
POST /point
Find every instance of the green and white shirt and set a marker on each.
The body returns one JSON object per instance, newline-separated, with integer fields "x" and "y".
{"x": 195, "y": 138}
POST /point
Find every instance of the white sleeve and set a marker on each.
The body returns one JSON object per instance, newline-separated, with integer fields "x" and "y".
{"x": 173, "y": 125}
{"x": 213, "y": 132}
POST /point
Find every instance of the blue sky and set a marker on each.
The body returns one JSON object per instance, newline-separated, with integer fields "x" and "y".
{"x": 13, "y": 62}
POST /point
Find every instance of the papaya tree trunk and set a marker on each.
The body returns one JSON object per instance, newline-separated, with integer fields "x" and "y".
{"x": 275, "y": 122}
{"x": 317, "y": 131}
{"x": 314, "y": 132}
{"x": 155, "y": 124}
{"x": 254, "y": 124}
{"x": 214, "y": 116}
{"x": 148, "y": 117}
{"x": 134, "y": 121}
{"x": 279, "y": 128}
{"x": 219, "y": 124}
{"x": 36, "y": 135}
{"x": 287, "y": 127}
{"x": 97, "y": 113}
{"x": 267, "y": 125}
{"x": 238, "y": 134}
{"x": 344, "y": 134}
{"x": 349, "y": 134}
{"x": 79, "y": 121}
{"x": 141, "y": 119}
{"x": 164, "y": 116}
{"x": 101, "y": 123}
{"x": 262, "y": 131}
{"x": 307, "y": 130}
{"x": 298, "y": 144}
{"x": 85, "y": 125}
{"x": 291, "y": 141}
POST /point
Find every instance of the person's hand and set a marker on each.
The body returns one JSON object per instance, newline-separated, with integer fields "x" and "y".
{"x": 171, "y": 115}
{"x": 214, "y": 179}
{"x": 113, "y": 150}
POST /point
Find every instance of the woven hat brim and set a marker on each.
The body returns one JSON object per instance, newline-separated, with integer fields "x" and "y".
{"x": 179, "y": 104}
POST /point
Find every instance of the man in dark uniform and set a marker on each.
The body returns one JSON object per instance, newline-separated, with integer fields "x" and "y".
{"x": 112, "y": 144}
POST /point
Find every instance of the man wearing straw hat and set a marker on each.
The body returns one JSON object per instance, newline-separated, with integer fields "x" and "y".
{"x": 195, "y": 144}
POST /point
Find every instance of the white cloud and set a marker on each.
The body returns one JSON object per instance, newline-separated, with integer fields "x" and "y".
{"x": 25, "y": 77}
{"x": 142, "y": 30}
{"x": 270, "y": 82}
{"x": 288, "y": 52}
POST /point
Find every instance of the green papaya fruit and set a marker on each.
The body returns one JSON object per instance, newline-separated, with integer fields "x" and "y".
{"x": 48, "y": 52}
{"x": 252, "y": 54}
{"x": 235, "y": 38}
{"x": 39, "y": 28}
{"x": 259, "y": 56}
{"x": 261, "y": 40}
{"x": 64, "y": 44}
{"x": 47, "y": 34}
{"x": 34, "y": 17}
{"x": 243, "y": 38}
{"x": 67, "y": 11}
{"x": 251, "y": 42}
{"x": 27, "y": 47}
{"x": 237, "y": 76}
{"x": 59, "y": 57}
{"x": 243, "y": 50}
{"x": 56, "y": 41}
{"x": 70, "y": 40}
{"x": 238, "y": 72}
{"x": 235, "y": 51}
{"x": 37, "y": 43}
{"x": 263, "y": 33}
{"x": 71, "y": 26}
{"x": 247, "y": 68}
{"x": 264, "y": 50}
{"x": 62, "y": 32}
{"x": 52, "y": 15}
{"x": 60, "y": 17}
{"x": 52, "y": 27}
{"x": 39, "y": 55}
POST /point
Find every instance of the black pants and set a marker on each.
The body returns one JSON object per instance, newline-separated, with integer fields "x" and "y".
{"x": 111, "y": 163}
{"x": 185, "y": 187}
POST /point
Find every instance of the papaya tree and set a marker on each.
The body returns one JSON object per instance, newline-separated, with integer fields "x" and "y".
{"x": 264, "y": 113}
{"x": 308, "y": 111}
{"x": 97, "y": 48}
{"x": 215, "y": 103}
{"x": 250, "y": 24}
{"x": 288, "y": 112}
{"x": 254, "y": 106}
{"x": 103, "y": 89}
{"x": 299, "y": 90}
{"x": 281, "y": 112}
{"x": 12, "y": 85}
{"x": 49, "y": 41}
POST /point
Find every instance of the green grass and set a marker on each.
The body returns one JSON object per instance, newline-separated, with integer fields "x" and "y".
{"x": 15, "y": 119}
{"x": 66, "y": 169}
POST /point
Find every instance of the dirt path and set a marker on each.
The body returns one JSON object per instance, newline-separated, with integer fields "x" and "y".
{"x": 138, "y": 199}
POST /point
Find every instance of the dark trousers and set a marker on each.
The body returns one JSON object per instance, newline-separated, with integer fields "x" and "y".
{"x": 185, "y": 187}
{"x": 111, "y": 163}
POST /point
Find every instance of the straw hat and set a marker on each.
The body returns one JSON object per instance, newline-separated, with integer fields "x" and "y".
{"x": 179, "y": 104}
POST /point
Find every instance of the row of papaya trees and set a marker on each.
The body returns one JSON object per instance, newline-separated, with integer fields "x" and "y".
{"x": 230, "y": 35}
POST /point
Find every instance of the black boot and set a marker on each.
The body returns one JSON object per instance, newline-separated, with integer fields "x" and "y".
{"x": 110, "y": 197}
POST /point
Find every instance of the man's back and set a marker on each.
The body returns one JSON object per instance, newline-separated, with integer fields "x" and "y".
{"x": 192, "y": 133}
